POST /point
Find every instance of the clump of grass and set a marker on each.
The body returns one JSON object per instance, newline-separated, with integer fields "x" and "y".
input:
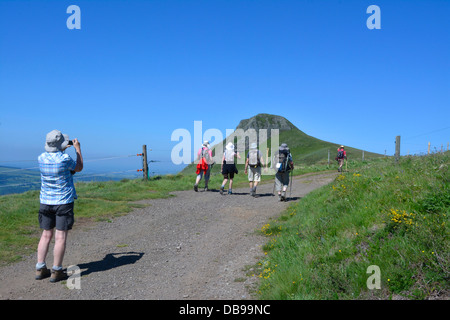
{"x": 391, "y": 215}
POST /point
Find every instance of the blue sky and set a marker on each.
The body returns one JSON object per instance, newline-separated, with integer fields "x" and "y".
{"x": 138, "y": 70}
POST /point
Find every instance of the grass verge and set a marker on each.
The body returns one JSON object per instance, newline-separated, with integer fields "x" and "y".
{"x": 393, "y": 216}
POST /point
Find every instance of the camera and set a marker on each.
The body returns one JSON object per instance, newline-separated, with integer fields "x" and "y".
{"x": 70, "y": 143}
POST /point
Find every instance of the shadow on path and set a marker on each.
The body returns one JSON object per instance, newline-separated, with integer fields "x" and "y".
{"x": 110, "y": 261}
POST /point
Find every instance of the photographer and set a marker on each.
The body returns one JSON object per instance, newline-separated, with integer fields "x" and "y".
{"x": 56, "y": 200}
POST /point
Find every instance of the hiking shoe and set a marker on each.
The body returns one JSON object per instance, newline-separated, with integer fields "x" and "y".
{"x": 195, "y": 187}
{"x": 221, "y": 190}
{"x": 42, "y": 273}
{"x": 229, "y": 191}
{"x": 283, "y": 196}
{"x": 58, "y": 275}
{"x": 206, "y": 189}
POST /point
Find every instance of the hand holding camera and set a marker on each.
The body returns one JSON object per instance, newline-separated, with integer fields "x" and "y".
{"x": 75, "y": 143}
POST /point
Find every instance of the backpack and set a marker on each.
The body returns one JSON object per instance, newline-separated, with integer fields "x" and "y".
{"x": 340, "y": 154}
{"x": 229, "y": 156}
{"x": 282, "y": 160}
{"x": 206, "y": 155}
{"x": 254, "y": 158}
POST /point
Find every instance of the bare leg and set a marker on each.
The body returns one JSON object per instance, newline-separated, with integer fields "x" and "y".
{"x": 60, "y": 247}
{"x": 44, "y": 243}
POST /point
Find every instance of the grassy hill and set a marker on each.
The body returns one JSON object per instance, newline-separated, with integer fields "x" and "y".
{"x": 306, "y": 150}
{"x": 390, "y": 215}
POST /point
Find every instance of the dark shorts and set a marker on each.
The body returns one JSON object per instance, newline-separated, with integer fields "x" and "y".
{"x": 229, "y": 170}
{"x": 56, "y": 216}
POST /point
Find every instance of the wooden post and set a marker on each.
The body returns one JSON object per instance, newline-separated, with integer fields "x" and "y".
{"x": 328, "y": 157}
{"x": 397, "y": 148}
{"x": 447, "y": 146}
{"x": 363, "y": 155}
{"x": 144, "y": 162}
{"x": 428, "y": 148}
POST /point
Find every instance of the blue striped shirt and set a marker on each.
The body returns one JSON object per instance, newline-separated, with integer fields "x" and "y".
{"x": 56, "y": 179}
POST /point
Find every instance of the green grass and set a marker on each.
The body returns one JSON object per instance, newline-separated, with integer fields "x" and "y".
{"x": 391, "y": 215}
{"x": 312, "y": 151}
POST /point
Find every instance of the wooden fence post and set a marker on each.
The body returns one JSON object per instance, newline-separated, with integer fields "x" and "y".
{"x": 144, "y": 162}
{"x": 397, "y": 148}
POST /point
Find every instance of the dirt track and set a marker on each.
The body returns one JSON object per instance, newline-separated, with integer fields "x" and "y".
{"x": 190, "y": 246}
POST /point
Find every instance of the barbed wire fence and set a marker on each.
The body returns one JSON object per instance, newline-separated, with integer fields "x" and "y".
{"x": 408, "y": 146}
{"x": 413, "y": 147}
{"x": 7, "y": 172}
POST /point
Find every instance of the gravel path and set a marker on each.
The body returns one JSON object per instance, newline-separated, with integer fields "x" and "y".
{"x": 190, "y": 246}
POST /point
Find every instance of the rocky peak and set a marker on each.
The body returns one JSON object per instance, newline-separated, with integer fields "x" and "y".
{"x": 266, "y": 121}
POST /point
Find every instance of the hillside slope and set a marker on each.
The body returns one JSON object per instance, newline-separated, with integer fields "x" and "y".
{"x": 390, "y": 215}
{"x": 305, "y": 149}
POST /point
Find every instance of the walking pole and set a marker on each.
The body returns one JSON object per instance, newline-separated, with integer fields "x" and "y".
{"x": 275, "y": 176}
{"x": 290, "y": 188}
{"x": 274, "y": 181}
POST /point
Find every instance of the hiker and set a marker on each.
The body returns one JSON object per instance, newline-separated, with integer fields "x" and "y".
{"x": 56, "y": 201}
{"x": 254, "y": 162}
{"x": 341, "y": 155}
{"x": 205, "y": 158}
{"x": 229, "y": 168}
{"x": 283, "y": 166}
